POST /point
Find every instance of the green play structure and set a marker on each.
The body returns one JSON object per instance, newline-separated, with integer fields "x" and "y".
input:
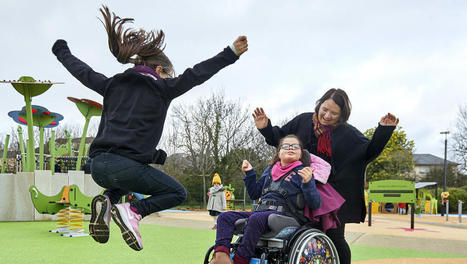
{"x": 426, "y": 203}
{"x": 21, "y": 147}
{"x": 60, "y": 150}
{"x": 392, "y": 191}
{"x": 69, "y": 196}
{"x": 42, "y": 118}
{"x": 88, "y": 109}
{"x": 29, "y": 88}
{"x": 5, "y": 152}
{"x": 70, "y": 205}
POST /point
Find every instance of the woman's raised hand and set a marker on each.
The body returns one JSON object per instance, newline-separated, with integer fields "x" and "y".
{"x": 246, "y": 166}
{"x": 261, "y": 119}
{"x": 389, "y": 120}
{"x": 241, "y": 45}
{"x": 306, "y": 174}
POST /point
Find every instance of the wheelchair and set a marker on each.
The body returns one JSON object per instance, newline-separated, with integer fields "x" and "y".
{"x": 288, "y": 242}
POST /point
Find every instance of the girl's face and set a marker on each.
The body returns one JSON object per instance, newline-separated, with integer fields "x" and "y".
{"x": 329, "y": 113}
{"x": 164, "y": 73}
{"x": 289, "y": 151}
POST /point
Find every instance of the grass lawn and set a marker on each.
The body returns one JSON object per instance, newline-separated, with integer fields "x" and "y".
{"x": 360, "y": 252}
{"x": 30, "y": 242}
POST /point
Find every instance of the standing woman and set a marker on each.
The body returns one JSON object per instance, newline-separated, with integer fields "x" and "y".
{"x": 135, "y": 108}
{"x": 327, "y": 134}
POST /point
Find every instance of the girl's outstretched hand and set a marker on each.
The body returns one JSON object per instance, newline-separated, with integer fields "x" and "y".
{"x": 306, "y": 174}
{"x": 246, "y": 166}
{"x": 389, "y": 120}
{"x": 241, "y": 45}
{"x": 261, "y": 119}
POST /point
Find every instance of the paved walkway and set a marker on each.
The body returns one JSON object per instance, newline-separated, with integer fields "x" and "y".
{"x": 431, "y": 233}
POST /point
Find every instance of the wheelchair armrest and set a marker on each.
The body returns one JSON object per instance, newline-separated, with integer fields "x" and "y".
{"x": 240, "y": 226}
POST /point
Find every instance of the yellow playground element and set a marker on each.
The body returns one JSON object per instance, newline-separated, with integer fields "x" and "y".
{"x": 69, "y": 205}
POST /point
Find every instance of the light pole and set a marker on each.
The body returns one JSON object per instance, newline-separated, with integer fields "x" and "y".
{"x": 445, "y": 133}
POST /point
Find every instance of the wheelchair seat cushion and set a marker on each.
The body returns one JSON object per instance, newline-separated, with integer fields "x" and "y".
{"x": 277, "y": 223}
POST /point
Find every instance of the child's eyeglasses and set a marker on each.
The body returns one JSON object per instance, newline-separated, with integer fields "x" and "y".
{"x": 290, "y": 146}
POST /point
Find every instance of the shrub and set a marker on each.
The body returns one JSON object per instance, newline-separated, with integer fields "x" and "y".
{"x": 455, "y": 194}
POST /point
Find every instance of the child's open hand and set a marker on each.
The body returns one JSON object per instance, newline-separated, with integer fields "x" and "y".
{"x": 246, "y": 166}
{"x": 306, "y": 174}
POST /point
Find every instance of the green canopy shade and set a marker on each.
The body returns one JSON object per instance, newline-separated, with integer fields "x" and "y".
{"x": 29, "y": 88}
{"x": 42, "y": 118}
{"x": 88, "y": 109}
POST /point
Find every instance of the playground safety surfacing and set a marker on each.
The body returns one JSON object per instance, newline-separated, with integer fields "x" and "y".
{"x": 183, "y": 238}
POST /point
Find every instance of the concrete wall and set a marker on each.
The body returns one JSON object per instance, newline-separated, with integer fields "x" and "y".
{"x": 15, "y": 200}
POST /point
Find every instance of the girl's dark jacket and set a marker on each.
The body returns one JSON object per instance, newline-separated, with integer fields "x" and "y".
{"x": 351, "y": 153}
{"x": 292, "y": 184}
{"x": 135, "y": 105}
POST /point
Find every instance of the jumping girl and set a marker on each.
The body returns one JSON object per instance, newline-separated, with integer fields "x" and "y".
{"x": 135, "y": 107}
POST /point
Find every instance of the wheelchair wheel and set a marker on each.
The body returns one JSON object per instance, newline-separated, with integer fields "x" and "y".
{"x": 313, "y": 246}
{"x": 208, "y": 256}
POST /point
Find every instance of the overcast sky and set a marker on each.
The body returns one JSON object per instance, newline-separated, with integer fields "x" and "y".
{"x": 404, "y": 57}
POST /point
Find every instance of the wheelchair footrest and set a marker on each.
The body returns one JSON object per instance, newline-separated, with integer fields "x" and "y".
{"x": 257, "y": 261}
{"x": 252, "y": 260}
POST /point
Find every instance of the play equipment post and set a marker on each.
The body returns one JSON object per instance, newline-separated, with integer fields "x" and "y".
{"x": 60, "y": 151}
{"x": 52, "y": 152}
{"x": 444, "y": 196}
{"x": 21, "y": 147}
{"x": 447, "y": 210}
{"x": 30, "y": 146}
{"x": 81, "y": 143}
{"x": 5, "y": 152}
{"x": 460, "y": 211}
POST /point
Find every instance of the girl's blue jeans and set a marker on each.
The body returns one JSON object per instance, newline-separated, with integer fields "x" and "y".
{"x": 120, "y": 175}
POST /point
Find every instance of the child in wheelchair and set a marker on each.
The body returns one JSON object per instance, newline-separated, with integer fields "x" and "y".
{"x": 287, "y": 192}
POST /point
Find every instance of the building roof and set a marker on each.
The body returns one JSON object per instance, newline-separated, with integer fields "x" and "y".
{"x": 428, "y": 159}
{"x": 419, "y": 185}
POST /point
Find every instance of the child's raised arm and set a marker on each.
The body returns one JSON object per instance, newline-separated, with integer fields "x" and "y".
{"x": 246, "y": 166}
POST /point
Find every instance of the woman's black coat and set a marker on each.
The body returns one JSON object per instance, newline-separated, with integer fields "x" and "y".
{"x": 351, "y": 153}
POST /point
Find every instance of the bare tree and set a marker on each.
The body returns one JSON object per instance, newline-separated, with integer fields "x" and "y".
{"x": 459, "y": 137}
{"x": 208, "y": 130}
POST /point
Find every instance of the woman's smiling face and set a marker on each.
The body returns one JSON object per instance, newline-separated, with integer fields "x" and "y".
{"x": 329, "y": 113}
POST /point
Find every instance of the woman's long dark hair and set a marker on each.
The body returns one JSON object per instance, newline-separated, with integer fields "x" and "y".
{"x": 276, "y": 156}
{"x": 126, "y": 43}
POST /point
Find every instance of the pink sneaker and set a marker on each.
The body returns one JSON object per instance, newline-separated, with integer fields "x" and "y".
{"x": 128, "y": 221}
{"x": 100, "y": 218}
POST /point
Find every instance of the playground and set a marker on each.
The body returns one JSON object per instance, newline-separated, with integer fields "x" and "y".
{"x": 49, "y": 213}
{"x": 388, "y": 240}
{"x": 47, "y": 190}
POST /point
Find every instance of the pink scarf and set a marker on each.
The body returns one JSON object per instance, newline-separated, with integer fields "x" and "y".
{"x": 278, "y": 171}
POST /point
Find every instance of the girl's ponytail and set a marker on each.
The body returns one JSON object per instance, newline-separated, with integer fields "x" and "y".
{"x": 126, "y": 43}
